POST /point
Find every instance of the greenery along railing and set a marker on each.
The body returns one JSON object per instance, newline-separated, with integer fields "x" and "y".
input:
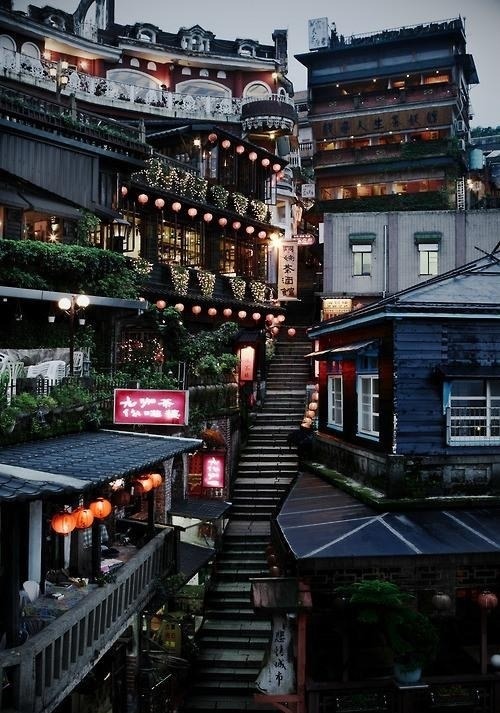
{"x": 430, "y": 200}
{"x": 70, "y": 122}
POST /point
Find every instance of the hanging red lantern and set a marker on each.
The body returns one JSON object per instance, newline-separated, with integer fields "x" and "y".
{"x": 240, "y": 149}
{"x": 262, "y": 234}
{"x": 269, "y": 317}
{"x": 265, "y": 162}
{"x": 291, "y": 332}
{"x": 236, "y": 225}
{"x": 313, "y": 406}
{"x": 227, "y": 312}
{"x": 161, "y": 304}
{"x": 223, "y": 222}
{"x": 208, "y": 217}
{"x": 84, "y": 517}
{"x": 252, "y": 156}
{"x": 143, "y": 484}
{"x": 276, "y": 167}
{"x": 242, "y": 314}
{"x": 192, "y": 212}
{"x": 124, "y": 191}
{"x": 314, "y": 396}
{"x": 121, "y": 498}
{"x": 156, "y": 479}
{"x": 250, "y": 229}
{"x": 281, "y": 318}
{"x": 142, "y": 198}
{"x": 212, "y": 138}
{"x": 63, "y": 522}
{"x": 176, "y": 206}
{"x": 310, "y": 414}
{"x": 226, "y": 144}
{"x": 101, "y": 508}
{"x": 256, "y": 316}
{"x": 196, "y": 309}
{"x": 275, "y": 330}
{"x": 179, "y": 307}
{"x": 487, "y": 600}
{"x": 159, "y": 203}
{"x": 212, "y": 311}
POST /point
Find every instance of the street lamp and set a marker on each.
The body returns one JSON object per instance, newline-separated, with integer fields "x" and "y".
{"x": 72, "y": 306}
{"x": 58, "y": 72}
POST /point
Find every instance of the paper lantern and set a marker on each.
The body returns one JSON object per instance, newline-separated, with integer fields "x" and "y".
{"x": 487, "y": 600}
{"x": 269, "y": 317}
{"x": 236, "y": 225}
{"x": 101, "y": 508}
{"x": 227, "y": 312}
{"x": 143, "y": 484}
{"x": 274, "y": 571}
{"x": 265, "y": 162}
{"x": 212, "y": 311}
{"x": 124, "y": 190}
{"x": 176, "y": 206}
{"x": 252, "y": 156}
{"x": 161, "y": 304}
{"x": 276, "y": 167}
{"x": 307, "y": 421}
{"x": 159, "y": 203}
{"x": 242, "y": 314}
{"x": 208, "y": 217}
{"x": 222, "y": 222}
{"x": 250, "y": 229}
{"x": 63, "y": 522}
{"x": 192, "y": 212}
{"x": 226, "y": 144}
{"x": 262, "y": 234}
{"x": 156, "y": 479}
{"x": 314, "y": 396}
{"x": 441, "y": 601}
{"x": 196, "y": 309}
{"x": 212, "y": 138}
{"x": 313, "y": 406}
{"x": 179, "y": 307}
{"x": 291, "y": 332}
{"x": 84, "y": 517}
{"x": 256, "y": 316}
{"x": 310, "y": 414}
{"x": 275, "y": 330}
{"x": 142, "y": 198}
{"x": 240, "y": 149}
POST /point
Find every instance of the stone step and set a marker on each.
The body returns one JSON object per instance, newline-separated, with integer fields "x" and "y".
{"x": 249, "y": 641}
{"x": 238, "y": 658}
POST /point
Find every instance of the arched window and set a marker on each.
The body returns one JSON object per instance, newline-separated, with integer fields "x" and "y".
{"x": 134, "y": 62}
{"x": 7, "y": 43}
{"x": 257, "y": 90}
{"x": 203, "y": 72}
{"x": 202, "y": 87}
{"x": 186, "y": 70}
{"x": 247, "y": 50}
{"x": 30, "y": 50}
{"x": 146, "y": 35}
{"x": 152, "y": 66}
{"x": 221, "y": 74}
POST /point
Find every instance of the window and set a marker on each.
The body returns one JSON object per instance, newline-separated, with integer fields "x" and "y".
{"x": 428, "y": 259}
{"x": 361, "y": 260}
{"x": 368, "y": 414}
{"x": 473, "y": 413}
{"x": 335, "y": 401}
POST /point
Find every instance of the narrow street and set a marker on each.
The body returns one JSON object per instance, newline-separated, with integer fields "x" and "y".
{"x": 233, "y": 639}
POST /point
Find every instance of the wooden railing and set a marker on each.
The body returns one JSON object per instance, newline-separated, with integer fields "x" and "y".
{"x": 40, "y": 673}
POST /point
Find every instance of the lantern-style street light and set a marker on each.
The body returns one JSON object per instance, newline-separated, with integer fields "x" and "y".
{"x": 73, "y": 306}
{"x": 59, "y": 73}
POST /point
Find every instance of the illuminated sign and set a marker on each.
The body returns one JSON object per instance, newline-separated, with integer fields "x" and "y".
{"x": 213, "y": 470}
{"x": 304, "y": 239}
{"x": 151, "y": 407}
{"x": 287, "y": 270}
{"x": 335, "y": 307}
{"x": 247, "y": 360}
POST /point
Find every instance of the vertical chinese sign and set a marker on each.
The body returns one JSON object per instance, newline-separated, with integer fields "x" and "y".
{"x": 151, "y": 407}
{"x": 247, "y": 361}
{"x": 213, "y": 470}
{"x": 287, "y": 270}
{"x": 278, "y": 674}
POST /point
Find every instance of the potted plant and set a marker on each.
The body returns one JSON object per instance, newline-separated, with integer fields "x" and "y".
{"x": 409, "y": 634}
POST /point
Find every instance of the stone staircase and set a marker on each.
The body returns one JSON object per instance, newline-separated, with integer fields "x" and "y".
{"x": 234, "y": 638}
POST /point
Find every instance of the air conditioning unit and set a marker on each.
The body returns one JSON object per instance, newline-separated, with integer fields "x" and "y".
{"x": 461, "y": 144}
{"x": 460, "y": 127}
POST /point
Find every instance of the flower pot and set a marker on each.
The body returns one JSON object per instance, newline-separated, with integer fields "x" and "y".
{"x": 406, "y": 675}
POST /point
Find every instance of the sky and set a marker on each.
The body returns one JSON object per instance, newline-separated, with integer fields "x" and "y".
{"x": 256, "y": 20}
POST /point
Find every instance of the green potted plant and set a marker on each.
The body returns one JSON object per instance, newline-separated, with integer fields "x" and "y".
{"x": 386, "y": 609}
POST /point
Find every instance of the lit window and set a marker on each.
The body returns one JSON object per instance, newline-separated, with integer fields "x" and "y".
{"x": 361, "y": 259}
{"x": 335, "y": 401}
{"x": 428, "y": 259}
{"x": 368, "y": 404}
{"x": 473, "y": 411}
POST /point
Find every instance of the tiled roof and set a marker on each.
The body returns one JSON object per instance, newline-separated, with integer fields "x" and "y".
{"x": 201, "y": 508}
{"x": 73, "y": 462}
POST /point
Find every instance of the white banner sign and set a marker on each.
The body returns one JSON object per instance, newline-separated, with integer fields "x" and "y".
{"x": 287, "y": 270}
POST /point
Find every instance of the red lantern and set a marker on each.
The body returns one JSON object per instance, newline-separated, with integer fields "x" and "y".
{"x": 159, "y": 203}
{"x": 236, "y": 225}
{"x": 310, "y": 414}
{"x": 156, "y": 479}
{"x": 212, "y": 311}
{"x": 240, "y": 149}
{"x": 242, "y": 314}
{"x": 179, "y": 307}
{"x": 256, "y": 316}
{"x": 144, "y": 484}
{"x": 487, "y": 600}
{"x": 192, "y": 212}
{"x": 124, "y": 191}
{"x": 208, "y": 217}
{"x": 63, "y": 522}
{"x": 275, "y": 330}
{"x": 226, "y": 144}
{"x": 84, "y": 517}
{"x": 196, "y": 309}
{"x": 142, "y": 198}
{"x": 314, "y": 396}
{"x": 262, "y": 234}
{"x": 212, "y": 138}
{"x": 223, "y": 222}
{"x": 269, "y": 317}
{"x": 161, "y": 304}
{"x": 265, "y": 162}
{"x": 276, "y": 167}
{"x": 313, "y": 406}
{"x": 281, "y": 318}
{"x": 250, "y": 229}
{"x": 291, "y": 332}
{"x": 176, "y": 206}
{"x": 227, "y": 312}
{"x": 252, "y": 156}
{"x": 101, "y": 508}
{"x": 121, "y": 498}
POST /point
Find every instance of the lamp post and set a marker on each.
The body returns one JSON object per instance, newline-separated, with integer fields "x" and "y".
{"x": 58, "y": 72}
{"x": 72, "y": 307}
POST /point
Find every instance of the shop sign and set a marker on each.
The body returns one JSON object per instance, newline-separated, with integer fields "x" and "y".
{"x": 213, "y": 470}
{"x": 151, "y": 407}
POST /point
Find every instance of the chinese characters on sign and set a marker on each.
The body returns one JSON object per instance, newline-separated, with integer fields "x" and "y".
{"x": 278, "y": 675}
{"x": 334, "y": 307}
{"x": 424, "y": 119}
{"x": 247, "y": 360}
{"x": 287, "y": 270}
{"x": 149, "y": 406}
{"x": 213, "y": 470}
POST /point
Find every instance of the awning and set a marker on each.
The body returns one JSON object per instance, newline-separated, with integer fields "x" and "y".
{"x": 193, "y": 557}
{"x": 200, "y": 508}
{"x": 340, "y": 352}
{"x": 320, "y": 521}
{"x": 105, "y": 213}
{"x": 51, "y": 207}
{"x": 77, "y": 461}
{"x": 13, "y": 199}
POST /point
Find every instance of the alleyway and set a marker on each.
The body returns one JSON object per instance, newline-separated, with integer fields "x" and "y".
{"x": 233, "y": 638}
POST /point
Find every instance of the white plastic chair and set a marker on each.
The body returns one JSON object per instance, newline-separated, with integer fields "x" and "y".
{"x": 32, "y": 589}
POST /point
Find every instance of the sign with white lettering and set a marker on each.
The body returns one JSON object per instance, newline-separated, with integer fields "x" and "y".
{"x": 287, "y": 270}
{"x": 213, "y": 470}
{"x": 151, "y": 406}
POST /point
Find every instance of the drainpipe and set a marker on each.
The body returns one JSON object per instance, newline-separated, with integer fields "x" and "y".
{"x": 384, "y": 286}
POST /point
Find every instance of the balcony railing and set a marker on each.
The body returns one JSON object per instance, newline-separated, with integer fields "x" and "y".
{"x": 384, "y": 152}
{"x": 38, "y": 674}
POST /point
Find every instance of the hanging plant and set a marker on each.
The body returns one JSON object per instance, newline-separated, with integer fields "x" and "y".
{"x": 206, "y": 280}
{"x": 240, "y": 203}
{"x": 219, "y": 196}
{"x": 238, "y": 287}
{"x": 258, "y": 290}
{"x": 258, "y": 209}
{"x": 180, "y": 278}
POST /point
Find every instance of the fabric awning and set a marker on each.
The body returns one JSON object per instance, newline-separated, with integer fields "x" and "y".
{"x": 339, "y": 352}
{"x": 51, "y": 207}
{"x": 13, "y": 199}
{"x": 193, "y": 557}
{"x": 200, "y": 508}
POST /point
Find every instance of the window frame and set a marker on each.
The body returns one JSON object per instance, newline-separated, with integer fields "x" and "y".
{"x": 335, "y": 401}
{"x": 486, "y": 425}
{"x": 372, "y": 413}
{"x": 424, "y": 259}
